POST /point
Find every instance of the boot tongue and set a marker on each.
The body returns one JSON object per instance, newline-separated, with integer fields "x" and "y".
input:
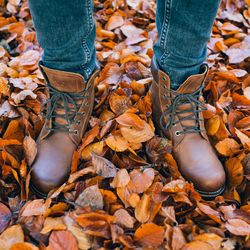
{"x": 64, "y": 81}
{"x": 192, "y": 83}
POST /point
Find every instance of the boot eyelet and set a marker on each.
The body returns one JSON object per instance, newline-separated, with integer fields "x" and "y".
{"x": 164, "y": 78}
{"x": 75, "y": 132}
{"x": 87, "y": 104}
{"x": 82, "y": 113}
{"x": 78, "y": 123}
{"x": 177, "y": 133}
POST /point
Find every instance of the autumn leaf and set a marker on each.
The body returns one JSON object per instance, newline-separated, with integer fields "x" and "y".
{"x": 34, "y": 208}
{"x": 30, "y": 149}
{"x": 121, "y": 179}
{"x": 235, "y": 171}
{"x": 237, "y": 227}
{"x": 124, "y": 218}
{"x": 11, "y": 236}
{"x": 142, "y": 181}
{"x": 5, "y": 217}
{"x": 62, "y": 240}
{"x": 92, "y": 197}
{"x": 149, "y": 235}
{"x": 117, "y": 143}
{"x": 227, "y": 147}
{"x": 103, "y": 167}
{"x": 53, "y": 224}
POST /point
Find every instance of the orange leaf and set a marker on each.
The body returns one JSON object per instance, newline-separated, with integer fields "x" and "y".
{"x": 235, "y": 171}
{"x": 117, "y": 143}
{"x": 53, "y": 224}
{"x": 62, "y": 240}
{"x": 142, "y": 181}
{"x": 23, "y": 246}
{"x": 150, "y": 235}
{"x": 124, "y": 218}
{"x": 227, "y": 147}
{"x": 142, "y": 210}
{"x": 130, "y": 119}
{"x": 121, "y": 179}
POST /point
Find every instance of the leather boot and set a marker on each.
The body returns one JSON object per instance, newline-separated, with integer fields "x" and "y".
{"x": 178, "y": 116}
{"x": 68, "y": 111}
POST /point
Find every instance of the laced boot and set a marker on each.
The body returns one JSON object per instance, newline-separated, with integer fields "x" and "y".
{"x": 68, "y": 111}
{"x": 178, "y": 116}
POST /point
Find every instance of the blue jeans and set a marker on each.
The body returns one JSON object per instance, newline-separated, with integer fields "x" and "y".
{"x": 66, "y": 32}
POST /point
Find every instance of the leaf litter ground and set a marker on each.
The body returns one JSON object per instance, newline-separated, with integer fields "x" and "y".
{"x": 124, "y": 190}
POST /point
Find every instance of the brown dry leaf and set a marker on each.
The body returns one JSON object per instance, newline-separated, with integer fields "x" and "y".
{"x": 124, "y": 218}
{"x": 10, "y": 236}
{"x": 142, "y": 210}
{"x": 119, "y": 104}
{"x": 235, "y": 171}
{"x": 130, "y": 120}
{"x": 96, "y": 148}
{"x": 240, "y": 51}
{"x": 73, "y": 177}
{"x": 211, "y": 213}
{"x": 103, "y": 167}
{"x": 114, "y": 22}
{"x": 83, "y": 240}
{"x": 178, "y": 239}
{"x": 213, "y": 125}
{"x": 213, "y": 239}
{"x": 245, "y": 140}
{"x": 117, "y": 143}
{"x": 227, "y": 147}
{"x": 237, "y": 227}
{"x": 53, "y": 224}
{"x": 34, "y": 208}
{"x": 62, "y": 240}
{"x": 174, "y": 186}
{"x": 18, "y": 98}
{"x": 149, "y": 235}
{"x": 121, "y": 179}
{"x": 89, "y": 137}
{"x": 135, "y": 136}
{"x": 30, "y": 149}
{"x": 142, "y": 181}
{"x": 197, "y": 244}
{"x": 91, "y": 196}
{"x": 23, "y": 246}
{"x": 5, "y": 217}
{"x": 17, "y": 28}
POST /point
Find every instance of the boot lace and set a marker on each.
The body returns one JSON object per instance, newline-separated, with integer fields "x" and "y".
{"x": 68, "y": 102}
{"x": 172, "y": 111}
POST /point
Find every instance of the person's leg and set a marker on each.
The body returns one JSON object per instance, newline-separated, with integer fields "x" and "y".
{"x": 66, "y": 32}
{"x": 184, "y": 29}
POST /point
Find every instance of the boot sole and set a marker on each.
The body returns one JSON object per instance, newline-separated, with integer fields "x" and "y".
{"x": 38, "y": 193}
{"x": 211, "y": 195}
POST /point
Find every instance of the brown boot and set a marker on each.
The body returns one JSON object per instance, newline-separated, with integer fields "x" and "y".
{"x": 68, "y": 111}
{"x": 178, "y": 116}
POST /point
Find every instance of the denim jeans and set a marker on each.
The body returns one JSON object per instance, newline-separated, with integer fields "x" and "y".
{"x": 66, "y": 32}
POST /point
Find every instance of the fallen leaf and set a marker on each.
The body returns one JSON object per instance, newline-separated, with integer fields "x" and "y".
{"x": 62, "y": 240}
{"x": 103, "y": 167}
{"x": 91, "y": 196}
{"x": 149, "y": 235}
{"x": 11, "y": 236}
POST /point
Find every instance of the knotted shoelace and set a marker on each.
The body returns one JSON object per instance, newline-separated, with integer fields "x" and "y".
{"x": 172, "y": 111}
{"x": 68, "y": 102}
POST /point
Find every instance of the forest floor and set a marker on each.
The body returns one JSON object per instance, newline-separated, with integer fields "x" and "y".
{"x": 125, "y": 190}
